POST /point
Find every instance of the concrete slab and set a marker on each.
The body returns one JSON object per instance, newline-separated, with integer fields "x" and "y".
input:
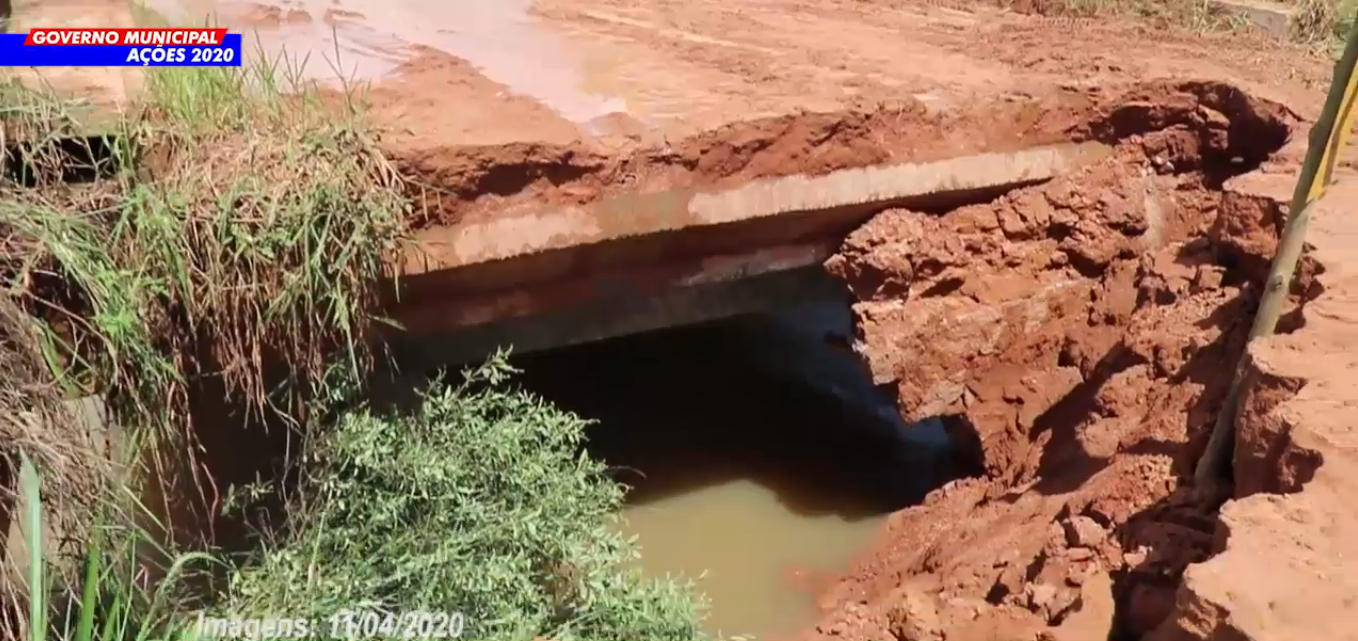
{"x": 621, "y": 313}
{"x": 861, "y": 189}
{"x": 1273, "y": 17}
{"x": 648, "y": 261}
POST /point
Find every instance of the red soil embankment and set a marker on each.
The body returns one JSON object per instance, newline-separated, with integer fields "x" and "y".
{"x": 1082, "y": 334}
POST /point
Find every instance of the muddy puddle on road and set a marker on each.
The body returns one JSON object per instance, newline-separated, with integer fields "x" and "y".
{"x": 760, "y": 458}
{"x": 362, "y": 40}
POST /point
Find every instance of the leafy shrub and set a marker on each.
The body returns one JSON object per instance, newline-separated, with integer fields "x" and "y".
{"x": 481, "y": 503}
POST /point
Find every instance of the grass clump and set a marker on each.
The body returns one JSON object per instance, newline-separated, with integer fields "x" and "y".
{"x": 230, "y": 236}
{"x": 1322, "y": 23}
{"x": 242, "y": 220}
{"x": 265, "y": 227}
{"x": 1198, "y": 16}
{"x": 479, "y": 503}
{"x": 233, "y": 236}
{"x": 111, "y": 602}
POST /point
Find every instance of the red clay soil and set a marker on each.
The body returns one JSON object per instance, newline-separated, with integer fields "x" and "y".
{"x": 490, "y": 180}
{"x": 1287, "y": 566}
{"x": 718, "y": 92}
{"x": 1081, "y": 333}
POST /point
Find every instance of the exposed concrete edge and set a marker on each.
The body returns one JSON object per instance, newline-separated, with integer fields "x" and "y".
{"x": 453, "y": 313}
{"x": 1273, "y": 17}
{"x": 885, "y": 184}
{"x": 1289, "y": 568}
{"x": 451, "y": 247}
{"x": 620, "y": 314}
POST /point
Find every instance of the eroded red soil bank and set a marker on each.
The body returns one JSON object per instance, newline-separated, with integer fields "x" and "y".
{"x": 471, "y": 182}
{"x": 1082, "y": 333}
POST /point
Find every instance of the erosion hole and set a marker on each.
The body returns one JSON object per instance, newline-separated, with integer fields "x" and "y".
{"x": 78, "y": 159}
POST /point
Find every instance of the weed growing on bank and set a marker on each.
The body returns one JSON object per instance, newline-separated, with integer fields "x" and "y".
{"x": 109, "y": 601}
{"x": 226, "y": 237}
{"x": 1324, "y": 22}
{"x": 1195, "y": 15}
{"x": 478, "y": 503}
{"x": 225, "y": 229}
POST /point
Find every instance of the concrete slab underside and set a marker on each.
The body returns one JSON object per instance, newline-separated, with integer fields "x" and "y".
{"x": 621, "y": 314}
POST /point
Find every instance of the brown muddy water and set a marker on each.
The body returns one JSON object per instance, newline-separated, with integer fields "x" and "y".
{"x": 759, "y": 457}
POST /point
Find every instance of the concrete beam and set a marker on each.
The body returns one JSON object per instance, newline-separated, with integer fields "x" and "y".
{"x": 619, "y": 314}
{"x": 854, "y": 193}
{"x": 1273, "y": 17}
{"x": 432, "y": 313}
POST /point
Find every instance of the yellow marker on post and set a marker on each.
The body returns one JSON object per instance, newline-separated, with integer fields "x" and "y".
{"x": 1338, "y": 137}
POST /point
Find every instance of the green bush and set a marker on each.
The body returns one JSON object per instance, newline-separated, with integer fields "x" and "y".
{"x": 480, "y": 503}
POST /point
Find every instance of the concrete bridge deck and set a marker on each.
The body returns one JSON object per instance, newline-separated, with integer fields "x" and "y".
{"x": 635, "y": 263}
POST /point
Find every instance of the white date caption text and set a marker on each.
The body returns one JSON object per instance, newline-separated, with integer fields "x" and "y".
{"x": 345, "y": 624}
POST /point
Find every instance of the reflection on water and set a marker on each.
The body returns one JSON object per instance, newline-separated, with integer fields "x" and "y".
{"x": 763, "y": 562}
{"x": 763, "y": 539}
{"x": 499, "y": 37}
{"x": 758, "y": 455}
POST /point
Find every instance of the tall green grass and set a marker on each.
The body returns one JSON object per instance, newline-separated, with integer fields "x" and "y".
{"x": 114, "y": 603}
{"x": 231, "y": 233}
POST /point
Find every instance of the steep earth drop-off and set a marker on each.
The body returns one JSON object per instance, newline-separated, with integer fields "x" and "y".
{"x": 1081, "y": 333}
